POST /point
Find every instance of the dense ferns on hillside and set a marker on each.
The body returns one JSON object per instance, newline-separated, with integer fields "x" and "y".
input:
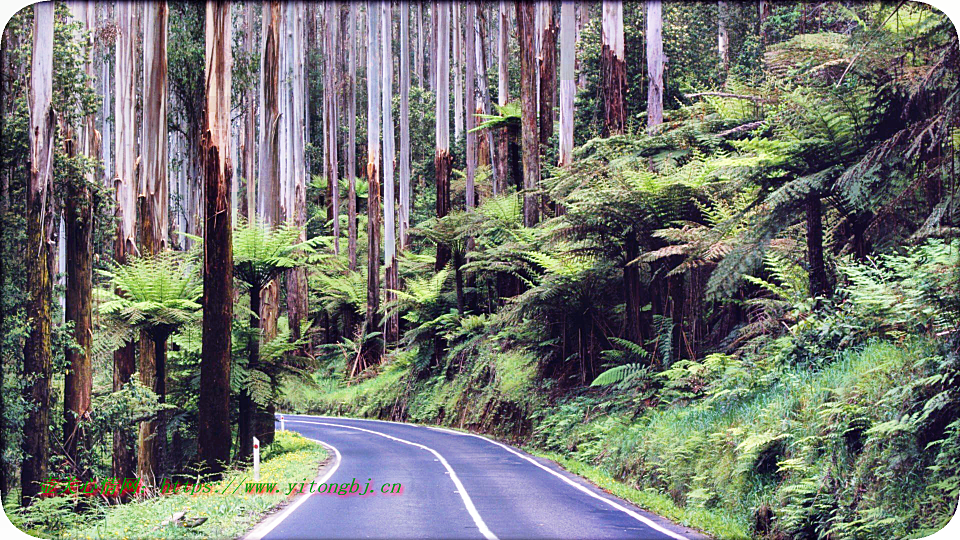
{"x": 763, "y": 292}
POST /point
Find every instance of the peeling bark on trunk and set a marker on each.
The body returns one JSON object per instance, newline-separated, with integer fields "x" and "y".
{"x": 268, "y": 192}
{"x": 655, "y": 61}
{"x": 371, "y": 349}
{"x": 548, "y": 73}
{"x": 568, "y": 86}
{"x": 153, "y": 203}
{"x": 613, "y": 85}
{"x": 442, "y": 160}
{"x": 528, "y": 114}
{"x": 78, "y": 216}
{"x": 36, "y": 351}
{"x": 125, "y": 153}
{"x": 213, "y": 440}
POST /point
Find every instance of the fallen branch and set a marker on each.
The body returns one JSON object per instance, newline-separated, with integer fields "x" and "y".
{"x": 740, "y": 129}
{"x": 755, "y": 99}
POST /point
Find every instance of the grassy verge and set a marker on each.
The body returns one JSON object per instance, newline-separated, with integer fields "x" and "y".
{"x": 291, "y": 458}
{"x": 709, "y": 521}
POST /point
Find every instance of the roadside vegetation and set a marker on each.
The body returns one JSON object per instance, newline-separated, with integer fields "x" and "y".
{"x": 219, "y": 513}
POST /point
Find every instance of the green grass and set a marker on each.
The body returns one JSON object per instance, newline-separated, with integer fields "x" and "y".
{"x": 709, "y": 521}
{"x": 291, "y": 458}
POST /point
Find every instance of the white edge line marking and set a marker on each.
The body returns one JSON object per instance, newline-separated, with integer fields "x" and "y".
{"x": 618, "y": 506}
{"x": 461, "y": 490}
{"x": 267, "y": 526}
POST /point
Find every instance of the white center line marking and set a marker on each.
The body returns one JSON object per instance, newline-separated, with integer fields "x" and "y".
{"x": 462, "y": 491}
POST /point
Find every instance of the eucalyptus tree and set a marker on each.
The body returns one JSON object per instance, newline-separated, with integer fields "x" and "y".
{"x": 443, "y": 161}
{"x": 526, "y": 29}
{"x": 352, "y": 137}
{"x": 213, "y": 440}
{"x": 125, "y": 212}
{"x": 655, "y": 61}
{"x": 471, "y": 99}
{"x": 457, "y": 43}
{"x": 268, "y": 177}
{"x": 371, "y": 348}
{"x": 80, "y": 139}
{"x": 153, "y": 201}
{"x": 391, "y": 275}
{"x": 568, "y": 86}
{"x": 36, "y": 351}
{"x": 503, "y": 94}
{"x": 548, "y": 71}
{"x": 404, "y": 228}
{"x": 613, "y": 68}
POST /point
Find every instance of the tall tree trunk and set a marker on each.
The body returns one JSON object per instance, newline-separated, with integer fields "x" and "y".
{"x": 389, "y": 197}
{"x": 78, "y": 382}
{"x": 763, "y": 7}
{"x": 487, "y": 103}
{"x": 125, "y": 154}
{"x": 245, "y": 425}
{"x": 153, "y": 202}
{"x": 434, "y": 42}
{"x": 583, "y": 18}
{"x": 457, "y": 73}
{"x": 36, "y": 351}
{"x": 213, "y": 440}
{"x": 613, "y": 84}
{"x": 528, "y": 113}
{"x": 655, "y": 62}
{"x": 249, "y": 124}
{"x": 723, "y": 39}
{"x": 442, "y": 159}
{"x": 371, "y": 349}
{"x": 503, "y": 96}
{"x": 548, "y": 73}
{"x": 405, "y": 123}
{"x": 330, "y": 93}
{"x": 819, "y": 287}
{"x": 352, "y": 140}
{"x": 419, "y": 60}
{"x": 471, "y": 102}
{"x": 292, "y": 151}
{"x": 568, "y": 86}
{"x": 268, "y": 192}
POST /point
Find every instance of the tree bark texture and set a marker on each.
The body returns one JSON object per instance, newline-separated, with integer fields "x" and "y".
{"x": 443, "y": 160}
{"x": 36, "y": 351}
{"x": 613, "y": 77}
{"x": 213, "y": 440}
{"x": 528, "y": 106}
{"x": 548, "y": 74}
{"x": 655, "y": 61}
{"x": 352, "y": 139}
{"x": 568, "y": 85}
{"x": 391, "y": 330}
{"x": 371, "y": 349}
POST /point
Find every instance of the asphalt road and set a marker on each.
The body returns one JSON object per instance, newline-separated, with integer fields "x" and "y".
{"x": 454, "y": 485}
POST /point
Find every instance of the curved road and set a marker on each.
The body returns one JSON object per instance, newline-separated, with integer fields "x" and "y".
{"x": 454, "y": 485}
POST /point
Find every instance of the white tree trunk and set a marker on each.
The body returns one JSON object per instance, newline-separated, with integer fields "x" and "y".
{"x": 568, "y": 84}
{"x": 352, "y": 138}
{"x": 405, "y": 120}
{"x": 125, "y": 143}
{"x": 723, "y": 39}
{"x": 655, "y": 60}
{"x": 153, "y": 133}
{"x": 471, "y": 105}
{"x": 457, "y": 73}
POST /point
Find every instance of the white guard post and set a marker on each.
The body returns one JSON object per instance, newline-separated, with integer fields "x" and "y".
{"x": 256, "y": 459}
{"x": 281, "y": 423}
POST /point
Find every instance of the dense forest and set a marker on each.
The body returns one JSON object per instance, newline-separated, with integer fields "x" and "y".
{"x": 706, "y": 254}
